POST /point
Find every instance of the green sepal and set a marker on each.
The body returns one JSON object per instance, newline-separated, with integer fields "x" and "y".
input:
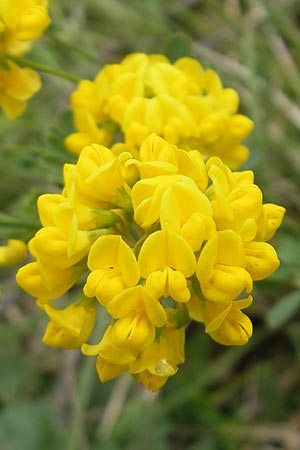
{"x": 105, "y": 218}
{"x": 159, "y": 331}
{"x": 178, "y": 317}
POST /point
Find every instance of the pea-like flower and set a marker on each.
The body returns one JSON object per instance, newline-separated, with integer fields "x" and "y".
{"x": 113, "y": 268}
{"x": 166, "y": 271}
{"x": 138, "y": 313}
{"x": 224, "y": 322}
{"x": 45, "y": 281}
{"x": 221, "y": 267}
{"x": 70, "y": 327}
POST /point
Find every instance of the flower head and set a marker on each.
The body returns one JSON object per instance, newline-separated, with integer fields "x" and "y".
{"x": 155, "y": 237}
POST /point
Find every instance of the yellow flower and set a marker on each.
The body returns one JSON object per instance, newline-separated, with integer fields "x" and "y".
{"x": 17, "y": 85}
{"x": 113, "y": 268}
{"x": 236, "y": 201}
{"x": 226, "y": 324}
{"x": 166, "y": 270}
{"x": 46, "y": 282}
{"x": 221, "y": 267}
{"x": 22, "y": 22}
{"x": 64, "y": 244}
{"x": 146, "y": 94}
{"x": 158, "y": 157}
{"x": 100, "y": 177}
{"x": 138, "y": 313}
{"x": 70, "y": 327}
{"x": 88, "y": 217}
{"x": 13, "y": 253}
{"x": 151, "y": 198}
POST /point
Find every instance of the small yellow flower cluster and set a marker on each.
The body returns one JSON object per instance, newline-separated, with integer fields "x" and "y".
{"x": 166, "y": 237}
{"x": 21, "y": 22}
{"x": 144, "y": 94}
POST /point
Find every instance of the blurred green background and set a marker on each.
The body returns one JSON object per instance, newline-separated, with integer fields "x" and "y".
{"x": 222, "y": 398}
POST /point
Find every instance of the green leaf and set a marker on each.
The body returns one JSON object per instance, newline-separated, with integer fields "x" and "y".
{"x": 283, "y": 310}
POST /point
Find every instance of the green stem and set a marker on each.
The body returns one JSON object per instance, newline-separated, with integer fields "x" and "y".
{"x": 43, "y": 68}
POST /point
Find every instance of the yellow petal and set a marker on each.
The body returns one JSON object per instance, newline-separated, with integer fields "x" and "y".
{"x": 23, "y": 82}
{"x": 108, "y": 371}
{"x": 108, "y": 351}
{"x": 269, "y": 221}
{"x": 230, "y": 249}
{"x": 150, "y": 381}
{"x": 110, "y": 252}
{"x": 217, "y": 314}
{"x": 174, "y": 252}
{"x": 207, "y": 260}
{"x": 178, "y": 286}
{"x": 235, "y": 330}
{"x": 137, "y": 298}
{"x": 261, "y": 259}
{"x": 133, "y": 331}
{"x": 46, "y": 204}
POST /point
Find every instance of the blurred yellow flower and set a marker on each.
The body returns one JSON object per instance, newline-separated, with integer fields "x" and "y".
{"x": 13, "y": 252}
{"x": 17, "y": 85}
{"x": 145, "y": 94}
{"x": 21, "y": 21}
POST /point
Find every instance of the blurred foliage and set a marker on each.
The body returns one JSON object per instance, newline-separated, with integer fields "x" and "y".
{"x": 222, "y": 398}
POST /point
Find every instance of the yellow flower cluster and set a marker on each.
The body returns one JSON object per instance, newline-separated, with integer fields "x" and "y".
{"x": 144, "y": 94}
{"x": 156, "y": 237}
{"x": 21, "y": 22}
